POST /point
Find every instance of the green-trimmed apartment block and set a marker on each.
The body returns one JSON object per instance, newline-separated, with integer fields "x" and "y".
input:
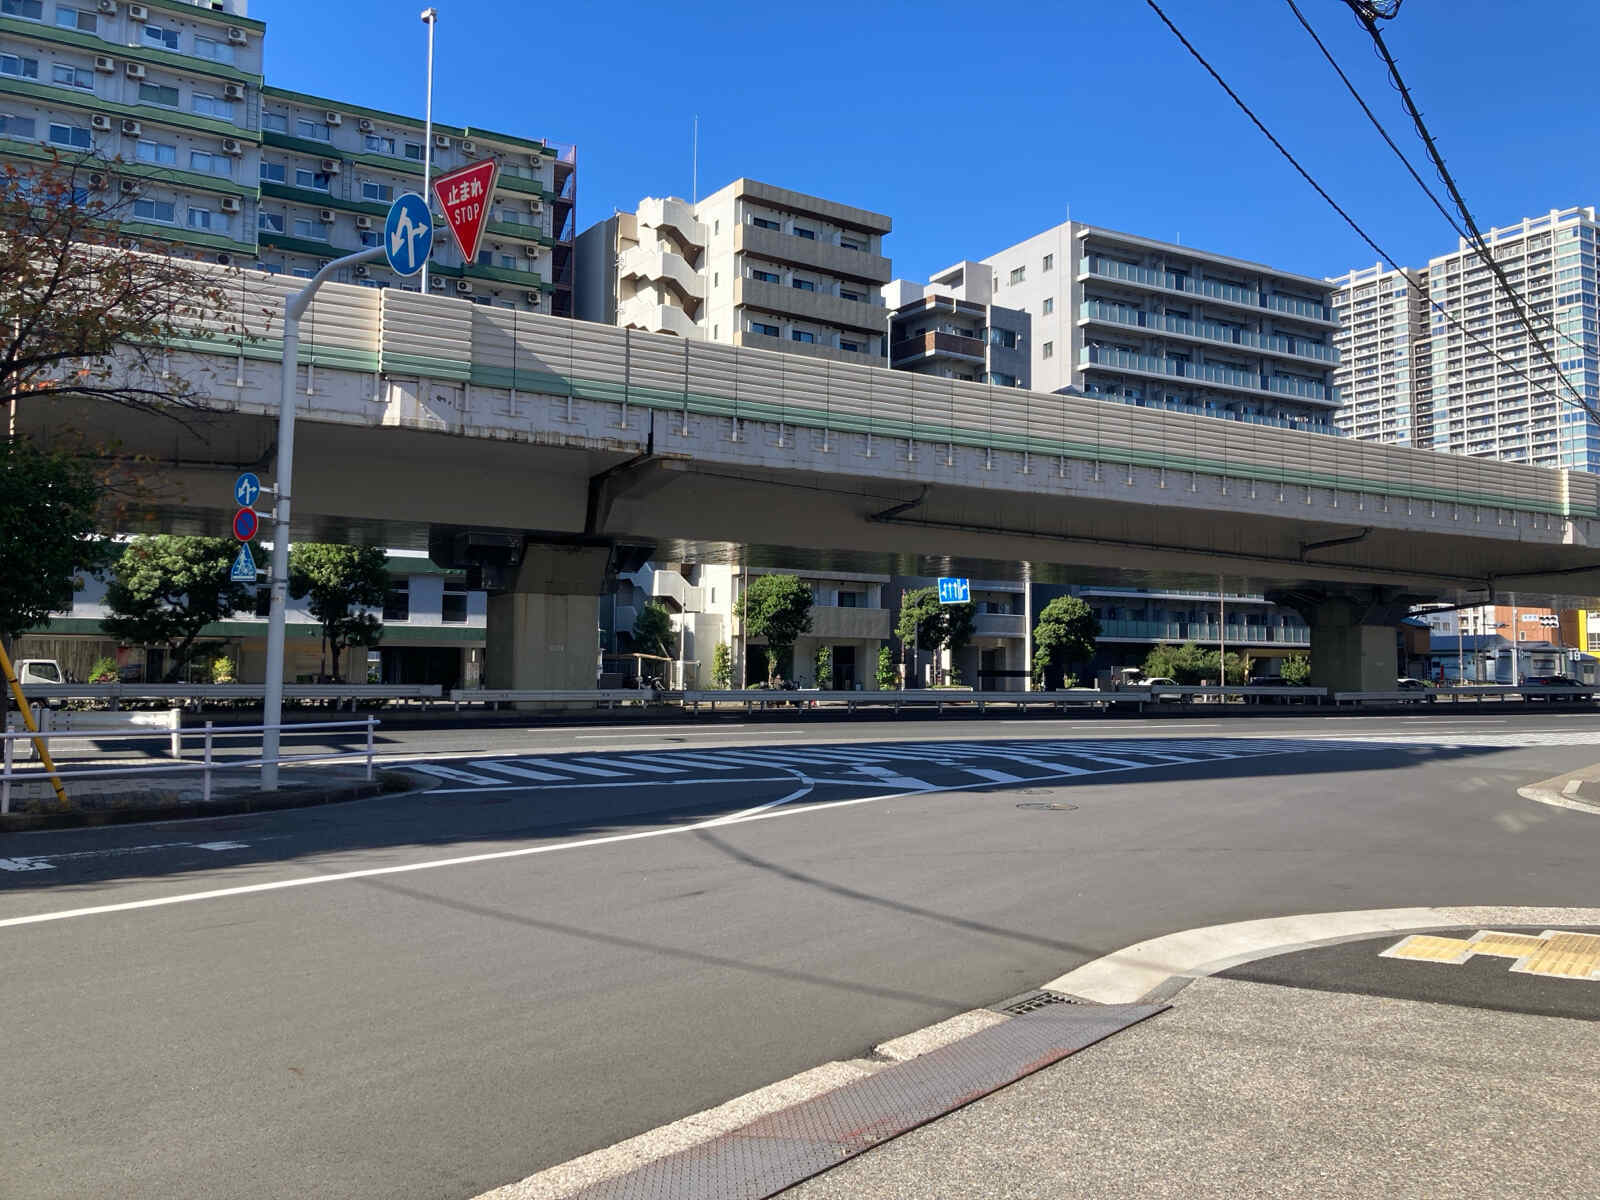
{"x": 209, "y": 158}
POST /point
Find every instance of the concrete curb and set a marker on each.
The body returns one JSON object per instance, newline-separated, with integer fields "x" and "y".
{"x": 1561, "y": 791}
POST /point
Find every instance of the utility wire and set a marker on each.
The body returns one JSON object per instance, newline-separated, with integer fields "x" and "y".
{"x": 1475, "y": 236}
{"x": 1348, "y": 219}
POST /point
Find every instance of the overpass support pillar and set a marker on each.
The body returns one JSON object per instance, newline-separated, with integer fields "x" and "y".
{"x": 1354, "y": 636}
{"x": 544, "y": 631}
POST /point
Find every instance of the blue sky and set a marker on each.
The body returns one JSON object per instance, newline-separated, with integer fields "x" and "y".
{"x": 981, "y": 124}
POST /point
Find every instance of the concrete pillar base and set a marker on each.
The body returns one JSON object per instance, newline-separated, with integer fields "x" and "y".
{"x": 544, "y": 633}
{"x": 1354, "y": 636}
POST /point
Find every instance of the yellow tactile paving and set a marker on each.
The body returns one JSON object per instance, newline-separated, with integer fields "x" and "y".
{"x": 1554, "y": 954}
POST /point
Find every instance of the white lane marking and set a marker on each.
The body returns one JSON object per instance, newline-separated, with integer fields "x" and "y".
{"x": 221, "y": 845}
{"x": 510, "y": 767}
{"x": 450, "y": 773}
{"x": 631, "y": 765}
{"x": 893, "y": 780}
{"x": 575, "y": 785}
{"x": 693, "y": 760}
{"x": 562, "y": 764}
{"x": 47, "y": 862}
{"x": 25, "y": 864}
{"x": 1101, "y": 758}
{"x": 992, "y": 775}
{"x": 1047, "y": 764}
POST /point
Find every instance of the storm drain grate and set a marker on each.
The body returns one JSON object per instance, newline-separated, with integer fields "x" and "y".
{"x": 777, "y": 1151}
{"x": 1029, "y": 1001}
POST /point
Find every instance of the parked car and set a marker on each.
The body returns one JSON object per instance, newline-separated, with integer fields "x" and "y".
{"x": 1580, "y": 691}
{"x": 1155, "y": 685}
{"x": 1407, "y": 684}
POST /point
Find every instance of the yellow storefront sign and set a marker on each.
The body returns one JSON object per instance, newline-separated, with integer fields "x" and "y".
{"x": 1554, "y": 954}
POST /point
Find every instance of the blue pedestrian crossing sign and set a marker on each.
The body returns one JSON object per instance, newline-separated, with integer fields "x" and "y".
{"x": 244, "y": 566}
{"x": 408, "y": 234}
{"x": 954, "y": 591}
{"x": 246, "y": 490}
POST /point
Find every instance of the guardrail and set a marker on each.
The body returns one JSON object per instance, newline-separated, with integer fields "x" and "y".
{"x": 206, "y": 765}
{"x": 115, "y": 693}
{"x": 760, "y": 699}
{"x": 610, "y": 697}
{"x": 1457, "y": 694}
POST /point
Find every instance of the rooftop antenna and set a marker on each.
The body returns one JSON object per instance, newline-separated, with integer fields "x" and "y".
{"x": 694, "y": 185}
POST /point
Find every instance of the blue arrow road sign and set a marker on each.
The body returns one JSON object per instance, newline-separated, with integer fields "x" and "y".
{"x": 954, "y": 591}
{"x": 246, "y": 490}
{"x": 408, "y": 234}
{"x": 244, "y": 567}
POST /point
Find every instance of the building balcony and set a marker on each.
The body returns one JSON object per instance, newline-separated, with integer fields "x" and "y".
{"x": 1205, "y": 635}
{"x": 818, "y": 255}
{"x": 810, "y": 306}
{"x": 641, "y": 312}
{"x": 937, "y": 345}
{"x": 1093, "y": 266}
{"x": 999, "y": 625}
{"x": 850, "y": 624}
{"x": 1206, "y": 332}
{"x": 674, "y": 217}
{"x": 1159, "y": 367}
{"x": 642, "y": 262}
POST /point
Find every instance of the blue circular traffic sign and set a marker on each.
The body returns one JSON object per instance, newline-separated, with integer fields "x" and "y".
{"x": 246, "y": 490}
{"x": 245, "y": 524}
{"x": 408, "y": 234}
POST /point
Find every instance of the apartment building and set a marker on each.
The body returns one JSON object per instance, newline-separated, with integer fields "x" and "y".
{"x": 1385, "y": 363}
{"x": 1480, "y": 384}
{"x": 1159, "y": 325}
{"x": 948, "y": 327}
{"x": 1134, "y": 621}
{"x": 202, "y": 155}
{"x": 749, "y": 265}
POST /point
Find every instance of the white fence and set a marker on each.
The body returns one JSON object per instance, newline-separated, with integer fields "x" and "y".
{"x": 203, "y": 693}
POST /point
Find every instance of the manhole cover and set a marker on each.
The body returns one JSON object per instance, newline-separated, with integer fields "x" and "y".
{"x": 1048, "y": 806}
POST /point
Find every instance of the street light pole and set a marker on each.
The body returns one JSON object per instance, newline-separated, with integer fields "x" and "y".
{"x": 294, "y": 308}
{"x": 430, "y": 18}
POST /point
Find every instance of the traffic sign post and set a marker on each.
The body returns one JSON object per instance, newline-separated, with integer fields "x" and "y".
{"x": 408, "y": 234}
{"x": 246, "y": 490}
{"x": 465, "y": 195}
{"x": 244, "y": 566}
{"x": 955, "y": 591}
{"x": 246, "y": 525}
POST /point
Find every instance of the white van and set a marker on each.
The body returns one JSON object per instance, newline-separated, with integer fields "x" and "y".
{"x": 39, "y": 670}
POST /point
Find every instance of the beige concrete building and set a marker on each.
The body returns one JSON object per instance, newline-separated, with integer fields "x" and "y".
{"x": 750, "y": 265}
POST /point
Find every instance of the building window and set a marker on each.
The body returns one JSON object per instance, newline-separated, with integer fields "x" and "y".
{"x": 769, "y": 330}
{"x": 211, "y": 164}
{"x": 211, "y": 106}
{"x": 317, "y": 131}
{"x": 1018, "y": 274}
{"x": 317, "y": 181}
{"x": 274, "y": 122}
{"x": 509, "y": 262}
{"x": 853, "y": 347}
{"x": 414, "y": 151}
{"x": 1049, "y": 350}
{"x": 215, "y": 51}
{"x": 73, "y": 77}
{"x": 369, "y": 238}
{"x": 1049, "y": 262}
{"x": 379, "y": 145}
{"x": 763, "y": 223}
{"x": 809, "y": 234}
{"x": 22, "y": 68}
{"x": 269, "y": 222}
{"x": 200, "y": 218}
{"x": 302, "y": 272}
{"x": 32, "y": 9}
{"x": 800, "y": 335}
{"x": 455, "y": 604}
{"x": 765, "y": 276}
{"x": 75, "y": 136}
{"x": 376, "y": 191}
{"x": 397, "y": 601}
{"x": 155, "y": 35}
{"x": 314, "y": 231}
{"x": 847, "y": 244}
{"x": 805, "y": 285}
{"x": 157, "y": 152}
{"x": 847, "y": 294}
{"x": 15, "y": 126}
{"x": 1049, "y": 305}
{"x": 273, "y": 172}
{"x": 154, "y": 210}
{"x": 158, "y": 93}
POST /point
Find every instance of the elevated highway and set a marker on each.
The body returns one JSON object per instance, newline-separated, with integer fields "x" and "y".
{"x": 535, "y": 447}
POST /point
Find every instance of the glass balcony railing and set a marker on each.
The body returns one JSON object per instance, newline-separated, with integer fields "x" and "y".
{"x": 1110, "y": 268}
{"x": 1128, "y": 360}
{"x": 1210, "y": 331}
{"x": 1207, "y": 635}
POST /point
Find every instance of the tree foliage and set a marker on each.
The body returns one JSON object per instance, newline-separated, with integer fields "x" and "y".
{"x": 1064, "y": 637}
{"x": 341, "y": 584}
{"x": 823, "y": 667}
{"x": 777, "y": 610}
{"x": 1189, "y": 664}
{"x": 722, "y": 666}
{"x": 929, "y": 625}
{"x": 72, "y": 292}
{"x": 887, "y": 678}
{"x": 48, "y": 504}
{"x": 652, "y": 631}
{"x": 165, "y": 589}
{"x": 1295, "y": 669}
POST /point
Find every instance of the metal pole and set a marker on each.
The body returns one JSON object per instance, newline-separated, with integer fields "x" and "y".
{"x": 1222, "y": 638}
{"x": 1516, "y": 638}
{"x": 371, "y": 722}
{"x": 294, "y": 308}
{"x": 205, "y": 786}
{"x": 39, "y": 743}
{"x": 430, "y": 18}
{"x": 1027, "y": 627}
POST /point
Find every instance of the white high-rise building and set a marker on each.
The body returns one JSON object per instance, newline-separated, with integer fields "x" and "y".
{"x": 1479, "y": 384}
{"x": 1160, "y": 325}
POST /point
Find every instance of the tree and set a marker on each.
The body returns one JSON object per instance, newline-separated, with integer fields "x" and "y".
{"x": 81, "y": 314}
{"x": 1295, "y": 669}
{"x": 1186, "y": 664}
{"x": 1064, "y": 637}
{"x": 823, "y": 667}
{"x": 887, "y": 679}
{"x": 165, "y": 589}
{"x": 777, "y": 610}
{"x": 343, "y": 584}
{"x": 652, "y": 631}
{"x": 925, "y": 624}
{"x": 722, "y": 667}
{"x": 48, "y": 504}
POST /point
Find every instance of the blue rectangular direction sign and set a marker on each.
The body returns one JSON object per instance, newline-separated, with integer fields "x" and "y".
{"x": 954, "y": 591}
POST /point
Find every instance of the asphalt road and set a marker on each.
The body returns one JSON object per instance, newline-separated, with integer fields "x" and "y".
{"x": 577, "y": 934}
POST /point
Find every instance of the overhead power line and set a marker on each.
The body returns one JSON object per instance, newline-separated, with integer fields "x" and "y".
{"x": 1351, "y": 221}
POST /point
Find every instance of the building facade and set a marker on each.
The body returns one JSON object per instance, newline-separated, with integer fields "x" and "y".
{"x": 750, "y": 265}
{"x": 1160, "y": 325}
{"x": 167, "y": 104}
{"x": 1479, "y": 384}
{"x": 948, "y": 327}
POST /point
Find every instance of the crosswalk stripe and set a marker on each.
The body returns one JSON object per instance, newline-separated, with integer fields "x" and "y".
{"x": 450, "y": 773}
{"x": 693, "y": 760}
{"x": 631, "y": 765}
{"x": 562, "y": 764}
{"x": 1106, "y": 759}
{"x": 1059, "y": 768}
{"x": 511, "y": 768}
{"x": 889, "y": 779}
{"x": 993, "y": 776}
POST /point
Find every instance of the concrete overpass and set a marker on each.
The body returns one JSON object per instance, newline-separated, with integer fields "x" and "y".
{"x": 539, "y": 449}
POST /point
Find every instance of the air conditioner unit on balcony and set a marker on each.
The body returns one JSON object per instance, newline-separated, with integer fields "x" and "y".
{"x": 130, "y": 187}
{"x": 97, "y": 182}
{"x": 535, "y": 205}
{"x": 468, "y": 146}
{"x": 333, "y": 118}
{"x": 104, "y": 63}
{"x": 138, "y": 12}
{"x": 237, "y": 36}
{"x": 330, "y": 166}
{"x": 102, "y": 123}
{"x": 132, "y": 128}
{"x": 533, "y": 299}
{"x": 231, "y": 204}
{"x": 230, "y": 146}
{"x": 225, "y": 259}
{"x": 438, "y": 283}
{"x": 135, "y": 71}
{"x": 362, "y": 270}
{"x": 326, "y": 216}
{"x": 363, "y": 222}
{"x": 232, "y": 91}
{"x": 464, "y": 287}
{"x": 109, "y": 7}
{"x": 536, "y": 161}
{"x": 364, "y": 125}
{"x": 441, "y": 142}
